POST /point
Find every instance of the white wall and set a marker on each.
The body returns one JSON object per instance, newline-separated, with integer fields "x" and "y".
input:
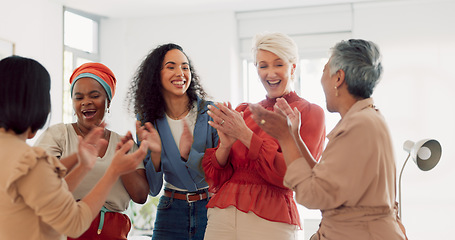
{"x": 417, "y": 39}
{"x": 208, "y": 39}
{"x": 36, "y": 27}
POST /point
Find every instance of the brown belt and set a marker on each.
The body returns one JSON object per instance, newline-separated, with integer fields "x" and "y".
{"x": 189, "y": 197}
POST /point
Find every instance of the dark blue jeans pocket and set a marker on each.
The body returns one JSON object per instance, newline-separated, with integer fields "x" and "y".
{"x": 164, "y": 203}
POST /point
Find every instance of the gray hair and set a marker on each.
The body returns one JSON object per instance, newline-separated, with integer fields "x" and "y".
{"x": 361, "y": 62}
{"x": 277, "y": 43}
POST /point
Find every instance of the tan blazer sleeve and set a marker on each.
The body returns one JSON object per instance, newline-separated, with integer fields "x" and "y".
{"x": 42, "y": 188}
{"x": 345, "y": 171}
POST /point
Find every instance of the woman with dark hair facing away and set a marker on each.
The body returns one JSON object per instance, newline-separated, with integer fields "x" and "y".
{"x": 246, "y": 170}
{"x": 92, "y": 89}
{"x": 354, "y": 182}
{"x": 170, "y": 106}
{"x": 35, "y": 202}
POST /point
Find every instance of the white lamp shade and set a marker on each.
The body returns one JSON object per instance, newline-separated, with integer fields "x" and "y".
{"x": 425, "y": 153}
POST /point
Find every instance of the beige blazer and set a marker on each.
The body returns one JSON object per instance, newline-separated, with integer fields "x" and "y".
{"x": 354, "y": 182}
{"x": 34, "y": 199}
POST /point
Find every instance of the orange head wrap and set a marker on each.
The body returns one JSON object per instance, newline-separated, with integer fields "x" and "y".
{"x": 98, "y": 72}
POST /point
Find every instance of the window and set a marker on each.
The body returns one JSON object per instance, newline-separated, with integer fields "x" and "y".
{"x": 254, "y": 91}
{"x": 80, "y": 46}
{"x": 311, "y": 88}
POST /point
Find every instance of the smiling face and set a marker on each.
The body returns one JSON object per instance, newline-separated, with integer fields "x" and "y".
{"x": 89, "y": 102}
{"x": 175, "y": 73}
{"x": 275, "y": 73}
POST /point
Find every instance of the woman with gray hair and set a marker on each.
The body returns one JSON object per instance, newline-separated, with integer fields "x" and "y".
{"x": 354, "y": 182}
{"x": 246, "y": 169}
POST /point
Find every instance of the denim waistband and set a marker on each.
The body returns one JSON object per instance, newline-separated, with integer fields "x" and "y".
{"x": 186, "y": 192}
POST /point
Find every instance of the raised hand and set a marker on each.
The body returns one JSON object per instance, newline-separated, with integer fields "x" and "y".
{"x": 186, "y": 141}
{"x": 149, "y": 133}
{"x": 273, "y": 123}
{"x": 230, "y": 124}
{"x": 124, "y": 162}
{"x": 226, "y": 140}
{"x": 293, "y": 115}
{"x": 89, "y": 147}
{"x": 124, "y": 139}
{"x": 150, "y": 138}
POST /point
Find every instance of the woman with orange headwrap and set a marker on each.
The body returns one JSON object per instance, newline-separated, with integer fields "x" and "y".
{"x": 92, "y": 89}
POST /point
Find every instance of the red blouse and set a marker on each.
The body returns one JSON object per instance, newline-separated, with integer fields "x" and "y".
{"x": 252, "y": 180}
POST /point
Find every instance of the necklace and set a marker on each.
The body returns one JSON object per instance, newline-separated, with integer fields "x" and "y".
{"x": 178, "y": 117}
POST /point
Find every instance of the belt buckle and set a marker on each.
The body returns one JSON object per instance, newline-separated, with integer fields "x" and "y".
{"x": 192, "y": 194}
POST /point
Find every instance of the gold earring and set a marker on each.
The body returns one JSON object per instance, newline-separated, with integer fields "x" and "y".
{"x": 336, "y": 91}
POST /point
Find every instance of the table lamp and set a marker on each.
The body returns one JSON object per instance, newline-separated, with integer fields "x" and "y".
{"x": 425, "y": 153}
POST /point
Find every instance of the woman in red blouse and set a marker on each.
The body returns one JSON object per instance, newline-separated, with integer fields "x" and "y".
{"x": 245, "y": 172}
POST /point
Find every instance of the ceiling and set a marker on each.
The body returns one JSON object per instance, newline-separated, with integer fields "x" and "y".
{"x": 143, "y": 8}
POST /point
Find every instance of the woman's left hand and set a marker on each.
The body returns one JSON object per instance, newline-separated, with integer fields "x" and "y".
{"x": 186, "y": 141}
{"x": 124, "y": 139}
{"x": 89, "y": 146}
{"x": 229, "y": 122}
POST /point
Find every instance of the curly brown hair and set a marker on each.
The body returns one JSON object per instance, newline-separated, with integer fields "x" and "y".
{"x": 145, "y": 92}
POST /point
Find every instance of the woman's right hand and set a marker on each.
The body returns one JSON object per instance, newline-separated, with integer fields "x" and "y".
{"x": 148, "y": 132}
{"x": 149, "y": 137}
{"x": 293, "y": 115}
{"x": 273, "y": 123}
{"x": 89, "y": 147}
{"x": 124, "y": 162}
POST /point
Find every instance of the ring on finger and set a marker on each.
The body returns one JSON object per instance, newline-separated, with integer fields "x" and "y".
{"x": 262, "y": 122}
{"x": 222, "y": 121}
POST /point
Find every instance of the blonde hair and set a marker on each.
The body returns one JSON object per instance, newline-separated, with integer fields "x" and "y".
{"x": 277, "y": 43}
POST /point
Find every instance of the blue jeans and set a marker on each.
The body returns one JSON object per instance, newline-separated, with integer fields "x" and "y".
{"x": 177, "y": 219}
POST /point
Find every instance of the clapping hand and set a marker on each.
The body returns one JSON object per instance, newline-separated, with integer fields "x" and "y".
{"x": 273, "y": 123}
{"x": 124, "y": 162}
{"x": 228, "y": 122}
{"x": 292, "y": 115}
{"x": 89, "y": 147}
{"x": 186, "y": 141}
{"x": 148, "y": 132}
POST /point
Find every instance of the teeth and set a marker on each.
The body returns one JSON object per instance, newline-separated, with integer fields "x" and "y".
{"x": 273, "y": 82}
{"x": 89, "y": 112}
{"x": 178, "y": 82}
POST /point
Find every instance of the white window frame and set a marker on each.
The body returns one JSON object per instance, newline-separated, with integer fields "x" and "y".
{"x": 77, "y": 56}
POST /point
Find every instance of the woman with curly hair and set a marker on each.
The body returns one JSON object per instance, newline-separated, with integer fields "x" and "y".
{"x": 169, "y": 103}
